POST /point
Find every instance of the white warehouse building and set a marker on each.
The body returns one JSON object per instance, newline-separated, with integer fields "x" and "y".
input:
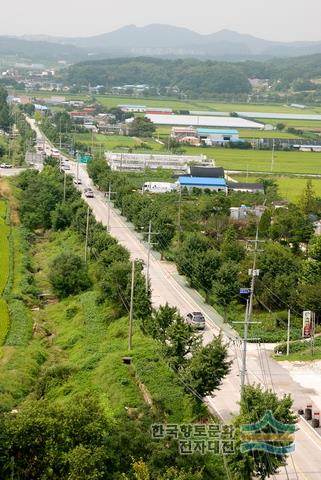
{"x": 204, "y": 121}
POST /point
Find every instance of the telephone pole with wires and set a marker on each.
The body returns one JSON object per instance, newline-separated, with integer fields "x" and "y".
{"x": 109, "y": 194}
{"x": 131, "y": 308}
{"x": 253, "y": 272}
{"x": 87, "y": 233}
{"x": 150, "y": 243}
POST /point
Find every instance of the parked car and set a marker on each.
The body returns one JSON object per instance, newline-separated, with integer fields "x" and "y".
{"x": 89, "y": 193}
{"x": 66, "y": 166}
{"x": 5, "y": 165}
{"x": 196, "y": 319}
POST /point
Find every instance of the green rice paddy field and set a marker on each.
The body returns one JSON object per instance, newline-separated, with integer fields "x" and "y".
{"x": 261, "y": 160}
{"x": 112, "y": 101}
{"x": 231, "y": 159}
{"x": 290, "y": 188}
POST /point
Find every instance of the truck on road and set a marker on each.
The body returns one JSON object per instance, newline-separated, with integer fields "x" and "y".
{"x": 159, "y": 187}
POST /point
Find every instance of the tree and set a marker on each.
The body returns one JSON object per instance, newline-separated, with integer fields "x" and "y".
{"x": 308, "y": 199}
{"x": 142, "y": 127}
{"x": 68, "y": 275}
{"x": 208, "y": 264}
{"x": 207, "y": 367}
{"x": 63, "y": 122}
{"x": 160, "y": 320}
{"x": 255, "y": 403}
{"x": 315, "y": 248}
{"x": 290, "y": 226}
{"x": 226, "y": 286}
{"x": 231, "y": 249}
{"x": 116, "y": 285}
{"x": 57, "y": 440}
{"x": 265, "y": 224}
{"x": 309, "y": 298}
{"x": 279, "y": 273}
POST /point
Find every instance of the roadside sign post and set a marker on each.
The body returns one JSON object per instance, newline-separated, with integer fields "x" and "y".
{"x": 288, "y": 336}
{"x": 307, "y": 323}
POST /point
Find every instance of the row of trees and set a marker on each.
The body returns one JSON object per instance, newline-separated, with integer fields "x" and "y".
{"x": 213, "y": 255}
{"x": 5, "y": 116}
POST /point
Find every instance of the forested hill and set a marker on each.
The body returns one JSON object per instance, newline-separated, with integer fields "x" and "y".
{"x": 194, "y": 77}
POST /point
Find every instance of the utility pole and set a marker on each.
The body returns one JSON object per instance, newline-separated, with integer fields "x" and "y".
{"x": 108, "y": 205}
{"x": 288, "y": 337}
{"x": 65, "y": 178}
{"x": 131, "y": 310}
{"x": 253, "y": 274}
{"x": 272, "y": 159}
{"x": 77, "y": 172}
{"x": 60, "y": 134}
{"x": 92, "y": 141}
{"x": 148, "y": 254}
{"x": 312, "y": 332}
{"x": 87, "y": 233}
{"x": 245, "y": 338}
{"x": 246, "y": 323}
{"x": 179, "y": 215}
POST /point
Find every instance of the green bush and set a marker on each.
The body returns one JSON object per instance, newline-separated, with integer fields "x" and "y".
{"x": 68, "y": 275}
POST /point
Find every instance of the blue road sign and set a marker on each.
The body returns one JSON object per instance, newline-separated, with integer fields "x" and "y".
{"x": 245, "y": 291}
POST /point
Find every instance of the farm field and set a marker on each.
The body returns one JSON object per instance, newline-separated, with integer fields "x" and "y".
{"x": 192, "y": 104}
{"x": 231, "y": 159}
{"x": 260, "y": 160}
{"x": 300, "y": 124}
{"x": 290, "y": 188}
{"x": 251, "y": 134}
{"x": 115, "y": 142}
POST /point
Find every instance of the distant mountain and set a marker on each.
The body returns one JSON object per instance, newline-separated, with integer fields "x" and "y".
{"x": 171, "y": 41}
{"x": 40, "y": 51}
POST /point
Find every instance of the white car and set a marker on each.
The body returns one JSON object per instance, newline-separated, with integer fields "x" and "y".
{"x": 66, "y": 167}
{"x": 89, "y": 193}
{"x": 77, "y": 181}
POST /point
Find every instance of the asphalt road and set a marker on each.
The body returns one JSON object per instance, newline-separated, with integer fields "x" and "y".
{"x": 167, "y": 286}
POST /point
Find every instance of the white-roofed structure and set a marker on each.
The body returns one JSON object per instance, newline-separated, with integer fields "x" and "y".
{"x": 204, "y": 121}
{"x": 136, "y": 162}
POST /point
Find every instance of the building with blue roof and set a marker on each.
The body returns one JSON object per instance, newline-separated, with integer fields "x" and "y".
{"x": 212, "y": 136}
{"x": 216, "y": 184}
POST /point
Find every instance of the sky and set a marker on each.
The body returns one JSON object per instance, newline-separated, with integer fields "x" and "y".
{"x": 284, "y": 20}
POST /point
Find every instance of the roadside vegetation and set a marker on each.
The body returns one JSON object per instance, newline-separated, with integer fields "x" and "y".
{"x": 62, "y": 363}
{"x": 215, "y": 253}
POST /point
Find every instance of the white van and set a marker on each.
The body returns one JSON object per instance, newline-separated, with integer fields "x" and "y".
{"x": 159, "y": 187}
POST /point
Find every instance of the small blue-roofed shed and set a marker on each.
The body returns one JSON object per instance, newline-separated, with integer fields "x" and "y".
{"x": 216, "y": 184}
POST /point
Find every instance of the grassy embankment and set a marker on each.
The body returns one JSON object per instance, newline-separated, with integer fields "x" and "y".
{"x": 77, "y": 346}
{"x": 4, "y": 269}
{"x": 89, "y": 343}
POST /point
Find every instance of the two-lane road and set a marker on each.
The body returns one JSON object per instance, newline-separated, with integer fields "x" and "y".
{"x": 168, "y": 287}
